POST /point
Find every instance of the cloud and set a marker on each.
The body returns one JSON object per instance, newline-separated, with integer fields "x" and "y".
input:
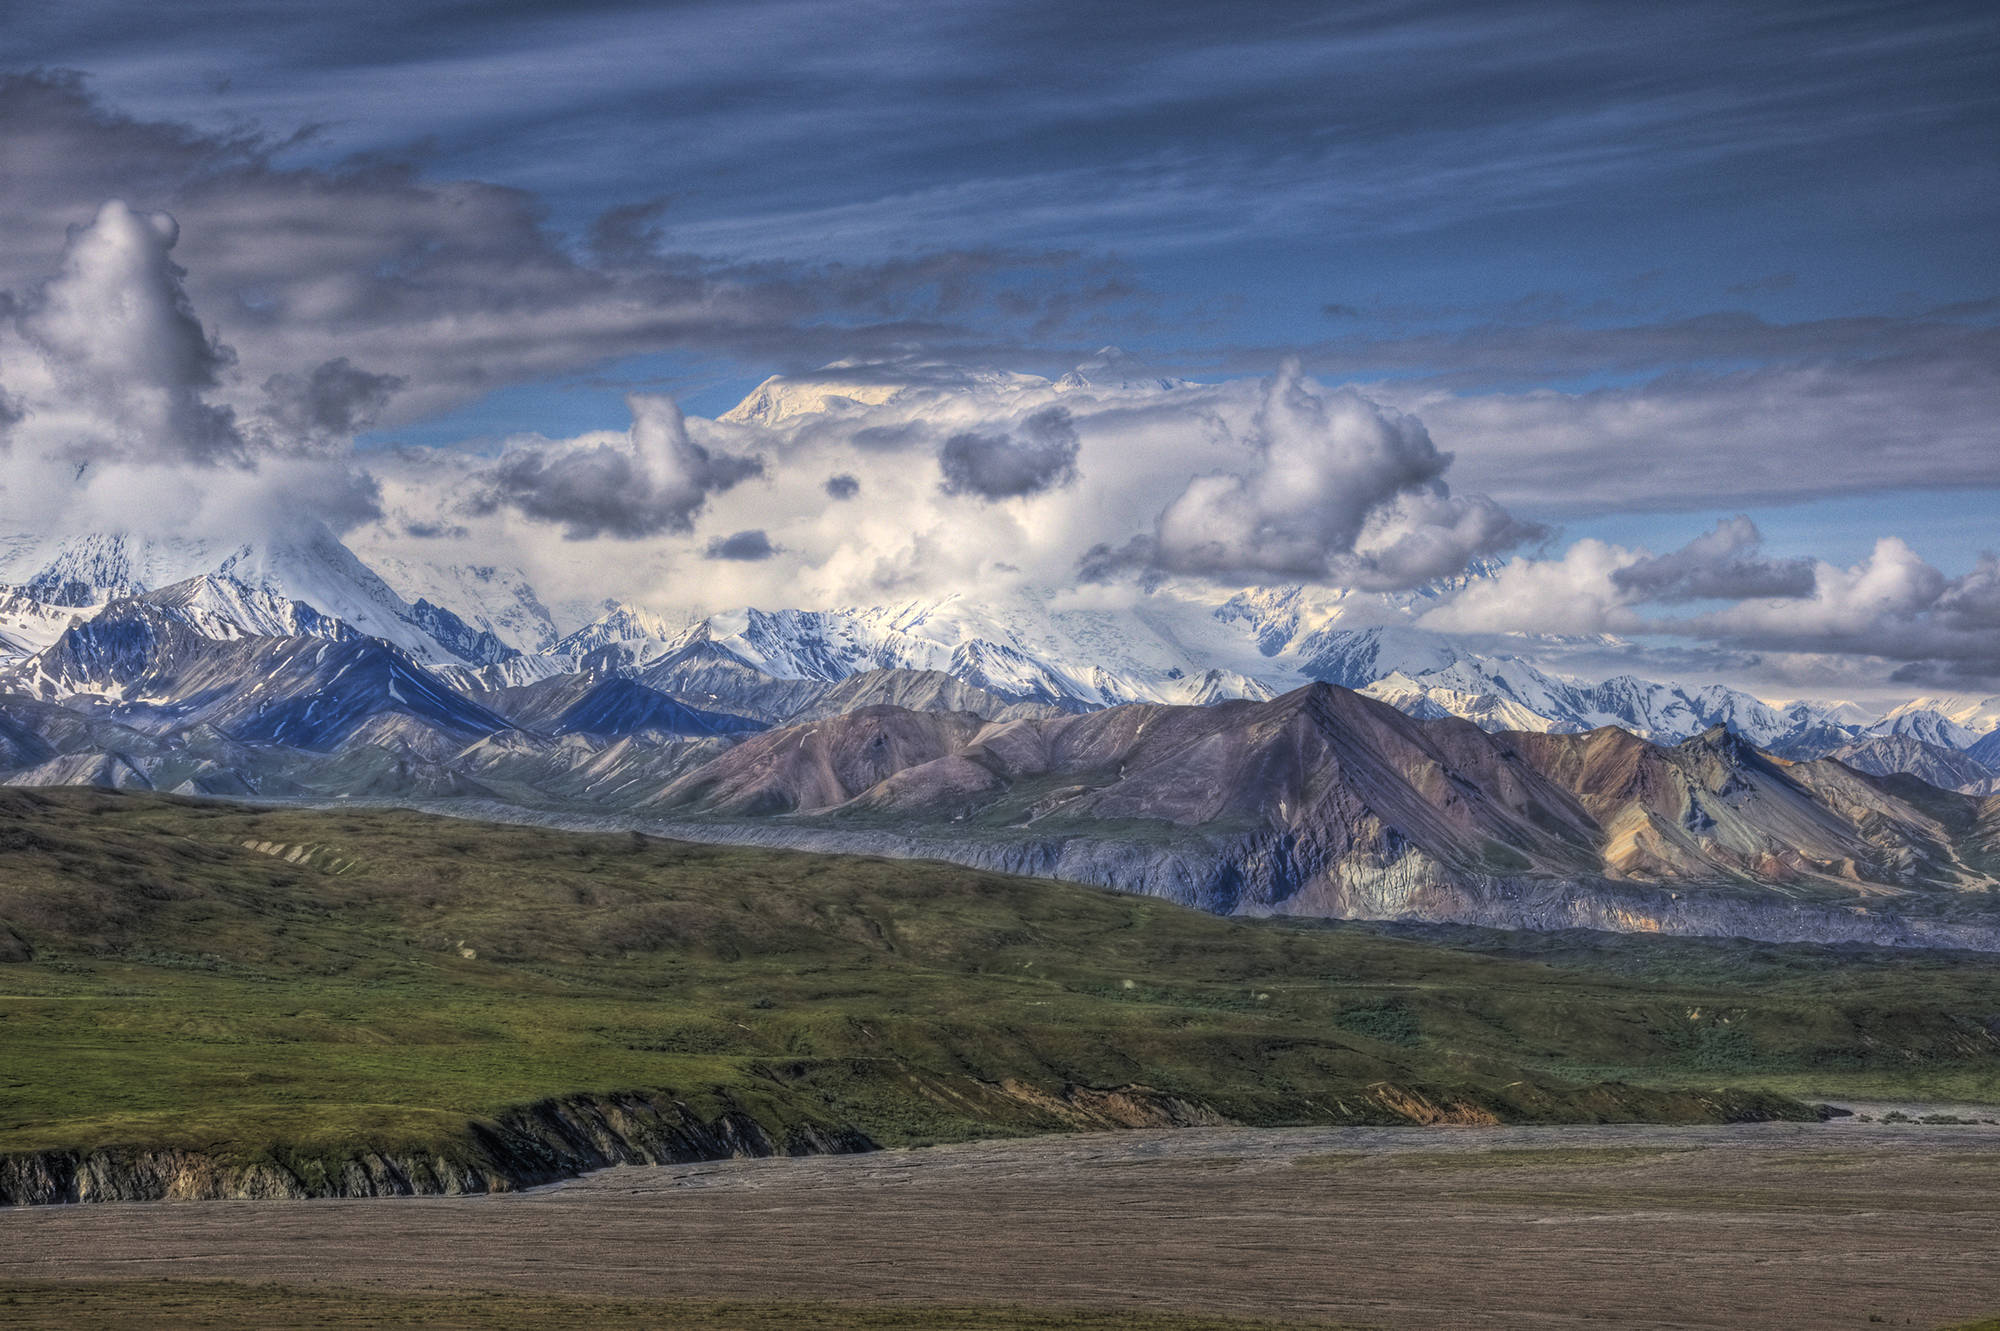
{"x": 742, "y": 546}
{"x": 1972, "y": 602}
{"x": 1915, "y": 410}
{"x": 651, "y": 480}
{"x": 1577, "y": 593}
{"x": 1849, "y": 606}
{"x": 1891, "y": 605}
{"x": 842, "y": 487}
{"x": 891, "y": 438}
{"x": 109, "y": 358}
{"x": 460, "y": 287}
{"x": 335, "y": 399}
{"x": 1595, "y": 587}
{"x": 1338, "y": 490}
{"x": 111, "y": 421}
{"x": 1721, "y": 565}
{"x": 1041, "y": 456}
{"x": 1418, "y": 538}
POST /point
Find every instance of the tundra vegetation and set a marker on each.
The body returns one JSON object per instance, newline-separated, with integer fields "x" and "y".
{"x": 289, "y": 991}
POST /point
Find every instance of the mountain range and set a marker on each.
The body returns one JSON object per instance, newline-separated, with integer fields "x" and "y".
{"x": 1273, "y": 749}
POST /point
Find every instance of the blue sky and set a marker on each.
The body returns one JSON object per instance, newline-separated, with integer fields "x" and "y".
{"x": 1799, "y": 160}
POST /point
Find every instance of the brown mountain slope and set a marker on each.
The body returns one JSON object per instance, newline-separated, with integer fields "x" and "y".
{"x": 1354, "y": 776}
{"x": 1714, "y": 807}
{"x": 821, "y": 764}
{"x": 1326, "y": 802}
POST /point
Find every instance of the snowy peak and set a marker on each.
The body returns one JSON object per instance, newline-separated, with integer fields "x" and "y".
{"x": 314, "y": 568}
{"x": 1953, "y": 721}
{"x": 1352, "y": 658}
{"x": 1504, "y": 693}
{"x": 27, "y": 625}
{"x": 97, "y": 567}
{"x": 165, "y": 665}
{"x": 221, "y": 607}
{"x": 779, "y": 400}
{"x": 625, "y": 637}
{"x": 846, "y": 386}
{"x": 1115, "y": 368}
{"x": 1947, "y": 769}
{"x": 306, "y": 583}
{"x": 489, "y": 598}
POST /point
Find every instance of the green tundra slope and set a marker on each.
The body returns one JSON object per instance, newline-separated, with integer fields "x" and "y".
{"x": 205, "y": 999}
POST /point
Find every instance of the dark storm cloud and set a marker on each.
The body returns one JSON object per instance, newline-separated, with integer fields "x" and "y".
{"x": 336, "y": 398}
{"x": 598, "y": 491}
{"x": 743, "y": 546}
{"x": 842, "y": 486}
{"x": 436, "y": 531}
{"x": 1040, "y": 456}
{"x": 457, "y": 287}
{"x": 1393, "y": 116}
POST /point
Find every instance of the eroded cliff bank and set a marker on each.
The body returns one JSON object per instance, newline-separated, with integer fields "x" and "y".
{"x": 563, "y": 1138}
{"x": 555, "y": 1139}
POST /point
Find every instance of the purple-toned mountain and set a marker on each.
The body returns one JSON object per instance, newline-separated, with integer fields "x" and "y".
{"x": 1326, "y": 802}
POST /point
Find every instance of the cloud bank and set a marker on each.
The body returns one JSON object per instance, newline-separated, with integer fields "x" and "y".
{"x": 652, "y": 480}
{"x": 1335, "y": 489}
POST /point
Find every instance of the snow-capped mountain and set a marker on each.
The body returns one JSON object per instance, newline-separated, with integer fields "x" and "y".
{"x": 490, "y": 598}
{"x": 849, "y": 386}
{"x": 1176, "y": 647}
{"x": 28, "y": 625}
{"x": 107, "y": 621}
{"x": 623, "y": 631}
{"x": 1953, "y": 722}
{"x": 304, "y": 583}
{"x": 95, "y": 567}
{"x": 1505, "y": 693}
{"x": 1023, "y": 650}
{"x": 846, "y": 386}
{"x": 1947, "y": 769}
{"x": 1116, "y": 368}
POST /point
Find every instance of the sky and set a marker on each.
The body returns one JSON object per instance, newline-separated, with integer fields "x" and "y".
{"x": 1690, "y": 313}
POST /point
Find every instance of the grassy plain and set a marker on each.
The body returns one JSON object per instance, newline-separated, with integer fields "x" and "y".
{"x": 244, "y": 982}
